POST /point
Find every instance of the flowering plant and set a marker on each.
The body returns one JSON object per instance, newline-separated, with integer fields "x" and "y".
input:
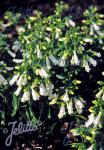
{"x": 53, "y": 52}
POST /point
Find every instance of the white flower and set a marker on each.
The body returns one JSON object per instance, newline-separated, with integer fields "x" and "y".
{"x": 92, "y": 61}
{"x": 103, "y": 73}
{"x": 97, "y": 120}
{"x": 48, "y": 63}
{"x": 62, "y": 62}
{"x": 9, "y": 68}
{"x": 16, "y": 46}
{"x": 65, "y": 97}
{"x": 14, "y": 79}
{"x": 24, "y": 81}
{"x": 43, "y": 73}
{"x": 58, "y": 33}
{"x": 18, "y": 61}
{"x": 20, "y": 29}
{"x": 49, "y": 88}
{"x": 90, "y": 120}
{"x": 53, "y": 59}
{"x": 17, "y": 92}
{"x": 35, "y": 95}
{"x": 43, "y": 90}
{"x": 11, "y": 53}
{"x": 64, "y": 39}
{"x": 26, "y": 96}
{"x": 86, "y": 66}
{"x": 78, "y": 105}
{"x": 98, "y": 54}
{"x": 29, "y": 26}
{"x": 91, "y": 30}
{"x": 70, "y": 107}
{"x": 98, "y": 95}
{"x": 20, "y": 80}
{"x": 103, "y": 97}
{"x": 3, "y": 80}
{"x": 75, "y": 60}
{"x": 39, "y": 54}
{"x": 72, "y": 23}
{"x": 88, "y": 40}
{"x": 48, "y": 39}
{"x": 61, "y": 112}
{"x": 96, "y": 27}
{"x": 48, "y": 29}
{"x": 90, "y": 148}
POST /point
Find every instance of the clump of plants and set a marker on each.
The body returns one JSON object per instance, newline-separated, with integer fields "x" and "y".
{"x": 49, "y": 55}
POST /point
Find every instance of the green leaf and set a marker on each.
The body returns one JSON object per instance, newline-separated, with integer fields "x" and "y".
{"x": 15, "y": 105}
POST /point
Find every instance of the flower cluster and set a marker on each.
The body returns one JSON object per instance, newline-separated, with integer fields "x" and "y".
{"x": 49, "y": 55}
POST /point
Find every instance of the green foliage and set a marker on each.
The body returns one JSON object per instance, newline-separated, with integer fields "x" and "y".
{"x": 54, "y": 52}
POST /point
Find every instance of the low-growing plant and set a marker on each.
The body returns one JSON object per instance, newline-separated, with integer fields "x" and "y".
{"x": 53, "y": 52}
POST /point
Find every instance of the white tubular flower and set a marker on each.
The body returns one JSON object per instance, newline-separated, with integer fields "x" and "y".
{"x": 43, "y": 90}
{"x": 91, "y": 30}
{"x": 92, "y": 61}
{"x": 98, "y": 95}
{"x": 24, "y": 81}
{"x": 86, "y": 66}
{"x": 97, "y": 120}
{"x": 48, "y": 39}
{"x": 20, "y": 29}
{"x": 20, "y": 81}
{"x": 12, "y": 54}
{"x": 78, "y": 105}
{"x": 39, "y": 54}
{"x": 53, "y": 59}
{"x": 16, "y": 46}
{"x": 71, "y": 23}
{"x": 29, "y": 26}
{"x": 37, "y": 71}
{"x": 18, "y": 61}
{"x": 58, "y": 33}
{"x": 90, "y": 148}
{"x": 96, "y": 27}
{"x": 90, "y": 120}
{"x": 61, "y": 112}
{"x": 48, "y": 29}
{"x": 49, "y": 88}
{"x": 3, "y": 81}
{"x": 70, "y": 107}
{"x": 103, "y": 73}
{"x": 65, "y": 97}
{"x": 26, "y": 96}
{"x": 98, "y": 54}
{"x": 14, "y": 79}
{"x": 103, "y": 97}
{"x": 43, "y": 73}
{"x": 48, "y": 63}
{"x": 35, "y": 95}
{"x": 88, "y": 40}
{"x": 9, "y": 68}
{"x": 75, "y": 60}
{"x": 17, "y": 92}
{"x": 62, "y": 61}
